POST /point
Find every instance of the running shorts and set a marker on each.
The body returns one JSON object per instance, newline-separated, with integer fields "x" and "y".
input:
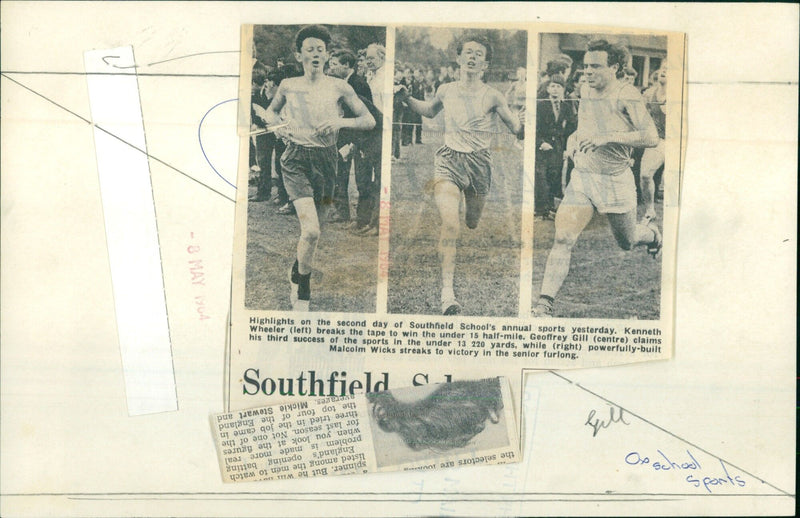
{"x": 615, "y": 194}
{"x": 471, "y": 170}
{"x": 309, "y": 172}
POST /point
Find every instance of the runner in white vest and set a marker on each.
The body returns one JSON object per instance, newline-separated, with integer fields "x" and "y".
{"x": 612, "y": 120}
{"x": 464, "y": 163}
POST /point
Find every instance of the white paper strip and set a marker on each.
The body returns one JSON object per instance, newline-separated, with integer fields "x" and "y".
{"x": 131, "y": 233}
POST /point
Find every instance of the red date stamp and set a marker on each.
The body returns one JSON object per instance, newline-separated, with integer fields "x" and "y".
{"x": 198, "y": 279}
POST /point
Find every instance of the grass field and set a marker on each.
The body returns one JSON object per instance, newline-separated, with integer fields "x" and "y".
{"x": 345, "y": 274}
{"x": 604, "y": 281}
{"x": 488, "y": 258}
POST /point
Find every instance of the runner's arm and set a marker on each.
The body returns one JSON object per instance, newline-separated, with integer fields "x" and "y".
{"x": 260, "y": 115}
{"x": 644, "y": 133}
{"x": 427, "y": 109}
{"x": 513, "y": 122}
{"x": 273, "y": 113}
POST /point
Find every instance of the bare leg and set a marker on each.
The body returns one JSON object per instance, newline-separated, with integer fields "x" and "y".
{"x": 448, "y": 197}
{"x": 652, "y": 159}
{"x": 628, "y": 233}
{"x": 306, "y": 247}
{"x": 309, "y": 234}
{"x": 570, "y": 222}
{"x": 474, "y": 207}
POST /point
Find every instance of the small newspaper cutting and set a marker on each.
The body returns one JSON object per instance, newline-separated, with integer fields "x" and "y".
{"x": 444, "y": 425}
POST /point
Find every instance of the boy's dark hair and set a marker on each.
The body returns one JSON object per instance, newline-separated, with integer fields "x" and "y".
{"x": 259, "y": 76}
{"x": 556, "y": 66}
{"x": 312, "y": 31}
{"x": 556, "y": 79}
{"x": 573, "y": 81}
{"x": 617, "y": 54}
{"x": 480, "y": 40}
{"x": 345, "y": 57}
{"x": 275, "y": 76}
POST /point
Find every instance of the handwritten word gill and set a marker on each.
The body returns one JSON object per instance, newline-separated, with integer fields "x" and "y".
{"x": 616, "y": 415}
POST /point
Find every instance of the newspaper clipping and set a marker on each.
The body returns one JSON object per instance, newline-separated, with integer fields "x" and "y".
{"x": 419, "y": 204}
{"x": 463, "y": 423}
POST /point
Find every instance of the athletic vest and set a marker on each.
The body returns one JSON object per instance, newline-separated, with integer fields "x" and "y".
{"x": 308, "y": 106}
{"x": 468, "y": 123}
{"x": 598, "y": 116}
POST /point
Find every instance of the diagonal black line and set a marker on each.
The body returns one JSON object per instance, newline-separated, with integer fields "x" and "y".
{"x": 595, "y": 394}
{"x": 84, "y": 119}
{"x": 87, "y": 121}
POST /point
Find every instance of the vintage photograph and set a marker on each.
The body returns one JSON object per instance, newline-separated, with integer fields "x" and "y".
{"x": 459, "y": 202}
{"x": 599, "y": 175}
{"x": 457, "y": 172}
{"x": 314, "y": 167}
{"x": 448, "y": 419}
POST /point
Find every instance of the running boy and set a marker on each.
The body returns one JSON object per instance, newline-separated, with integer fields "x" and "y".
{"x": 312, "y": 114}
{"x": 464, "y": 163}
{"x": 612, "y": 120}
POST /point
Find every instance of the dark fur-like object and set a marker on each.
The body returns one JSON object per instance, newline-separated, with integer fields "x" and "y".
{"x": 447, "y": 418}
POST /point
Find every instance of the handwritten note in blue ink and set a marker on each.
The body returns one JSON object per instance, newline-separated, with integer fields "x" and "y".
{"x": 685, "y": 464}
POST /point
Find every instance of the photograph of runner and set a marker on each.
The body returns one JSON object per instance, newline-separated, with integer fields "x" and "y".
{"x": 597, "y": 148}
{"x": 314, "y": 124}
{"x": 457, "y": 187}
